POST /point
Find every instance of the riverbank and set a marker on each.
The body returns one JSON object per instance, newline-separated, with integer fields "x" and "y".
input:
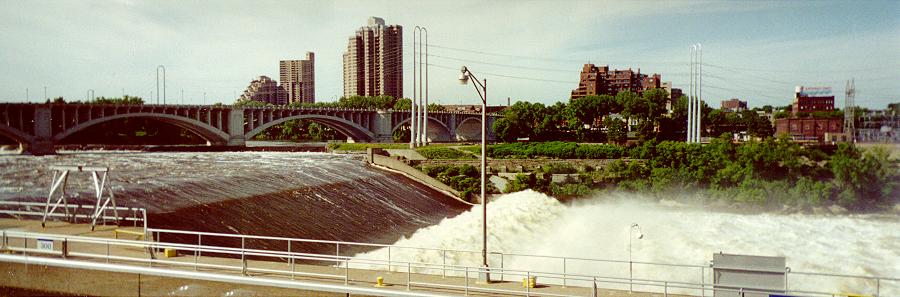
{"x": 769, "y": 175}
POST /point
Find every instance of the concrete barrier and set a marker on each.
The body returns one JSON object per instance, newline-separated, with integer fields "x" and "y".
{"x": 376, "y": 157}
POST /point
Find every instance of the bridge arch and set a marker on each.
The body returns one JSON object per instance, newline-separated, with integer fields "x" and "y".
{"x": 211, "y": 134}
{"x": 346, "y": 127}
{"x": 469, "y": 129}
{"x": 16, "y": 135}
{"x": 443, "y": 133}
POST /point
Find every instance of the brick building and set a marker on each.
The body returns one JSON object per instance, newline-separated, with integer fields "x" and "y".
{"x": 264, "y": 89}
{"x": 810, "y": 129}
{"x": 812, "y": 99}
{"x": 298, "y": 78}
{"x": 734, "y": 104}
{"x": 603, "y": 81}
{"x": 373, "y": 63}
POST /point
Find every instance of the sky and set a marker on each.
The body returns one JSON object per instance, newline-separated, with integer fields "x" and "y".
{"x": 527, "y": 50}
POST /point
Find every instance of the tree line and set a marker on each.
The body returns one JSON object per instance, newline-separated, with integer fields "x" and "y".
{"x": 605, "y": 118}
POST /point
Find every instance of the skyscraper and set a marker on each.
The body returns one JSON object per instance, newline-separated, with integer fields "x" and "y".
{"x": 298, "y": 78}
{"x": 373, "y": 63}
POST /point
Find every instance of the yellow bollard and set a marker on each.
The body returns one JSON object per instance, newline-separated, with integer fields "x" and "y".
{"x": 529, "y": 282}
{"x": 169, "y": 253}
{"x": 379, "y": 282}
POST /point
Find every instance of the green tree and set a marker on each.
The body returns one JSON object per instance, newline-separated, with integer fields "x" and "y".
{"x": 616, "y": 130}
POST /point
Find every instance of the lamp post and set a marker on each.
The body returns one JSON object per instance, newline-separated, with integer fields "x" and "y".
{"x": 640, "y": 235}
{"x": 481, "y": 88}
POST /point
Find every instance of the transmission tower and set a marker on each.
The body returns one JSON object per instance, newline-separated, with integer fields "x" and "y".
{"x": 849, "y": 111}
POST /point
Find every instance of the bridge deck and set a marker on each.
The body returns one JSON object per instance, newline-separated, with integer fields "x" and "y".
{"x": 396, "y": 281}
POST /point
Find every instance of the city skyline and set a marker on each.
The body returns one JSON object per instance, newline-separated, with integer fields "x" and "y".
{"x": 756, "y": 51}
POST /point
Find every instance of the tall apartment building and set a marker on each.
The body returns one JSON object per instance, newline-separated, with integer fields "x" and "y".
{"x": 298, "y": 78}
{"x": 603, "y": 81}
{"x": 264, "y": 89}
{"x": 373, "y": 63}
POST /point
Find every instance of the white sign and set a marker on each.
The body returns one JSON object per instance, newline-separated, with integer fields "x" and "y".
{"x": 45, "y": 244}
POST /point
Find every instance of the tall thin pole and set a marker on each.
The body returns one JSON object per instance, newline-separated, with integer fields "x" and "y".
{"x": 45, "y": 93}
{"x": 699, "y": 92}
{"x": 421, "y": 110}
{"x": 163, "y": 68}
{"x": 690, "y": 107}
{"x": 182, "y": 96}
{"x": 27, "y": 96}
{"x": 484, "y": 255}
{"x": 425, "y": 125}
{"x": 412, "y": 106}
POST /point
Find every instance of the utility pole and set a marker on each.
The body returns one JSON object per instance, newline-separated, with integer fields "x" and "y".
{"x": 45, "y": 93}
{"x": 182, "y": 96}
{"x": 850, "y": 111}
{"x": 27, "y": 96}
{"x": 163, "y": 68}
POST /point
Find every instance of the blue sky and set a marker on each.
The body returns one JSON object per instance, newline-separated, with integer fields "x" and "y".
{"x": 528, "y": 50}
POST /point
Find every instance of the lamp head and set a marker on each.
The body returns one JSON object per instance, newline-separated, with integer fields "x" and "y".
{"x": 464, "y": 76}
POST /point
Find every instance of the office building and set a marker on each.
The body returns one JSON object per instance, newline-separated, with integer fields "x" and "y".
{"x": 812, "y": 99}
{"x": 373, "y": 63}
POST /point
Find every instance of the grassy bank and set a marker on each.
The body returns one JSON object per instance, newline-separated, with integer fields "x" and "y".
{"x": 771, "y": 173}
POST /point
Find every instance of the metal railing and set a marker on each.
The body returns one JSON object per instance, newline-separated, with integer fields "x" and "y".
{"x": 137, "y": 216}
{"x": 702, "y": 286}
{"x": 78, "y": 248}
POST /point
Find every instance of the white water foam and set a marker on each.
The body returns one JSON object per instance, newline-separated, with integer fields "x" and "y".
{"x": 532, "y": 223}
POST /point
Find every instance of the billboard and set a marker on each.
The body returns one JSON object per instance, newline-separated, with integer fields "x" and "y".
{"x": 814, "y": 91}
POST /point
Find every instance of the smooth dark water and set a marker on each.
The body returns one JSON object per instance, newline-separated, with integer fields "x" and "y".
{"x": 300, "y": 195}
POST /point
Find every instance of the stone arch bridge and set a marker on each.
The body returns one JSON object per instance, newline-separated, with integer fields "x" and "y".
{"x": 38, "y": 127}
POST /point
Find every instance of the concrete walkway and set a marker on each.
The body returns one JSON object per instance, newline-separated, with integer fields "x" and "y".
{"x": 319, "y": 272}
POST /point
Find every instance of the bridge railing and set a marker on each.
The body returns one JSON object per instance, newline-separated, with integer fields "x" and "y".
{"x": 99, "y": 251}
{"x": 620, "y": 274}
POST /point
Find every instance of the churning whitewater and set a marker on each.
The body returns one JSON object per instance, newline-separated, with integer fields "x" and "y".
{"x": 532, "y": 223}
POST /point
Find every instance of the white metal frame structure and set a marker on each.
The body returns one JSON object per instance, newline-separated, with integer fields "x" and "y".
{"x": 60, "y": 180}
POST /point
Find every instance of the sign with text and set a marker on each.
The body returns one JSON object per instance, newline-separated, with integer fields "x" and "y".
{"x": 45, "y": 244}
{"x": 814, "y": 91}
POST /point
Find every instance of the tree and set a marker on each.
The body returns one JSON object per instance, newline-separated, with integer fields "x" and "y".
{"x": 616, "y": 131}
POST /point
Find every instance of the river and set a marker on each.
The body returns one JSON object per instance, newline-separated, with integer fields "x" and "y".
{"x": 338, "y": 197}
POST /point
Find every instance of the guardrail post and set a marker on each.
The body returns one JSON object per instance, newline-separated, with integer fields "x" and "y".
{"x": 408, "y": 275}
{"x": 564, "y": 272}
{"x": 337, "y": 253}
{"x": 347, "y": 272}
{"x": 501, "y": 267}
{"x": 65, "y": 247}
{"x": 665, "y": 289}
{"x": 527, "y": 283}
{"x": 3, "y": 244}
{"x": 389, "y": 259}
{"x": 107, "y": 251}
{"x": 243, "y": 263}
{"x": 594, "y": 287}
{"x": 291, "y": 258}
{"x": 443, "y": 263}
{"x": 877, "y": 287}
{"x": 702, "y": 282}
{"x": 199, "y": 244}
{"x": 467, "y": 280}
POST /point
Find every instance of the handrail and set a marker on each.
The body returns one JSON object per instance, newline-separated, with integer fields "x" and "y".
{"x": 347, "y": 261}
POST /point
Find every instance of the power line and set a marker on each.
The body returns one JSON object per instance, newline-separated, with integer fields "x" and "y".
{"x": 507, "y": 76}
{"x": 806, "y": 71}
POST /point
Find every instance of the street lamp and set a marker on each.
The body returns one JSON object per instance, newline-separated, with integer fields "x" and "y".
{"x": 481, "y": 88}
{"x": 640, "y": 235}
